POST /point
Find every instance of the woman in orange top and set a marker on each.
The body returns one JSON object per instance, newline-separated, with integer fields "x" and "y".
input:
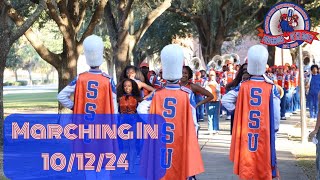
{"x": 128, "y": 96}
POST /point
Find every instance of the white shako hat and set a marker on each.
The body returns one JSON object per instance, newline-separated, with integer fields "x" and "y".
{"x": 172, "y": 58}
{"x": 257, "y": 60}
{"x": 93, "y": 50}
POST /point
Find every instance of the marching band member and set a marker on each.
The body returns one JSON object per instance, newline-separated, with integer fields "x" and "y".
{"x": 174, "y": 103}
{"x": 91, "y": 86}
{"x": 94, "y": 93}
{"x": 253, "y": 138}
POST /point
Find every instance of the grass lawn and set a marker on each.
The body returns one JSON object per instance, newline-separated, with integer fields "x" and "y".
{"x": 45, "y": 102}
{"x": 308, "y": 164}
{"x": 30, "y": 102}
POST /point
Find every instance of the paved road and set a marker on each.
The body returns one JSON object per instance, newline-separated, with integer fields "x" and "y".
{"x": 215, "y": 153}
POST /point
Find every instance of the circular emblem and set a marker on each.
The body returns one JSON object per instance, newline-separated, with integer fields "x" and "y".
{"x": 286, "y": 25}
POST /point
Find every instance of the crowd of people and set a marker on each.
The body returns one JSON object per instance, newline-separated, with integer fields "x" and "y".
{"x": 240, "y": 90}
{"x": 211, "y": 85}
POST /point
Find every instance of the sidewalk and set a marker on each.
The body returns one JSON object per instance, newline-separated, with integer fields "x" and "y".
{"x": 215, "y": 153}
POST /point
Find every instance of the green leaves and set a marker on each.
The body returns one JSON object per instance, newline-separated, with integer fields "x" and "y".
{"x": 161, "y": 32}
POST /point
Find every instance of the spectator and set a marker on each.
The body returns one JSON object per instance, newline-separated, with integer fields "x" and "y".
{"x": 213, "y": 107}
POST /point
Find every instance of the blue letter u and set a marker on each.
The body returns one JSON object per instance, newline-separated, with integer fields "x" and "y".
{"x": 255, "y": 142}
{"x": 166, "y": 162}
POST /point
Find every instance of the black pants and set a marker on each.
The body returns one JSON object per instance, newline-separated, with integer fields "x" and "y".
{"x": 231, "y": 124}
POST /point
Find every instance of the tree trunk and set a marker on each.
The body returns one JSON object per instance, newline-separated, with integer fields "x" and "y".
{"x": 3, "y": 57}
{"x": 30, "y": 77}
{"x": 66, "y": 73}
{"x": 272, "y": 54}
{"x": 8, "y": 36}
{"x": 122, "y": 53}
{"x": 1, "y": 99}
{"x": 5, "y": 46}
{"x": 210, "y": 50}
{"x": 47, "y": 77}
{"x": 210, "y": 44}
{"x": 16, "y": 74}
{"x": 119, "y": 67}
{"x": 216, "y": 50}
{"x": 123, "y": 42}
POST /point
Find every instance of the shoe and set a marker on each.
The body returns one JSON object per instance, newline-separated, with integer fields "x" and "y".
{"x": 283, "y": 118}
{"x": 295, "y": 112}
{"x": 287, "y": 115}
{"x": 228, "y": 117}
{"x": 201, "y": 120}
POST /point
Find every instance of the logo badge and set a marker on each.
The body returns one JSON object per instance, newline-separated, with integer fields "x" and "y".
{"x": 286, "y": 26}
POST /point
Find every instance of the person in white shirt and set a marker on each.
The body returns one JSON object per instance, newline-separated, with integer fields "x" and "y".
{"x": 213, "y": 107}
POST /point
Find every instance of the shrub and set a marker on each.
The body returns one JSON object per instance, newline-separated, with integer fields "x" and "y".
{"x": 8, "y": 83}
{"x": 46, "y": 81}
{"x": 22, "y": 83}
{"x": 36, "y": 82}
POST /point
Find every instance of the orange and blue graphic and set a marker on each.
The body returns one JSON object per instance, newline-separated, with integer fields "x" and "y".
{"x": 286, "y": 26}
